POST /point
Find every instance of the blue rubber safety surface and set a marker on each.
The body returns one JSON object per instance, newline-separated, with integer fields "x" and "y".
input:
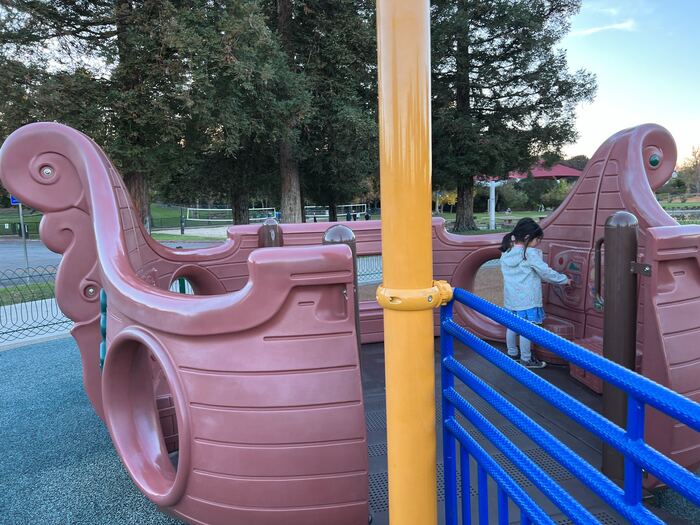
{"x": 58, "y": 465}
{"x": 57, "y": 462}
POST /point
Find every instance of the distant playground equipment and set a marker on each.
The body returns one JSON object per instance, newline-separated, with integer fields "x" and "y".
{"x": 321, "y": 214}
{"x": 225, "y": 215}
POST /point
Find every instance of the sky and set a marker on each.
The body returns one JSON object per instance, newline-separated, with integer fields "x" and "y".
{"x": 646, "y": 57}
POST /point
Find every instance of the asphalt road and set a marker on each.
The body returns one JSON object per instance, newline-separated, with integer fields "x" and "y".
{"x": 12, "y": 253}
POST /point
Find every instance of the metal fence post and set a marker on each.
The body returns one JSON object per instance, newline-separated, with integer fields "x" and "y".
{"x": 620, "y": 322}
{"x": 182, "y": 221}
{"x": 270, "y": 234}
{"x": 339, "y": 234}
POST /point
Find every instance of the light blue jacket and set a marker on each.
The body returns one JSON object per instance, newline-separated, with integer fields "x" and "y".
{"x": 522, "y": 278}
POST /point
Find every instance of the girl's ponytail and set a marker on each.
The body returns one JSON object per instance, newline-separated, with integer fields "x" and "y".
{"x": 524, "y": 232}
{"x": 507, "y": 242}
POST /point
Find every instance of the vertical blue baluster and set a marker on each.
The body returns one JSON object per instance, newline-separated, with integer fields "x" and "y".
{"x": 502, "y": 507}
{"x": 524, "y": 520}
{"x": 466, "y": 486}
{"x": 448, "y": 441}
{"x": 483, "y": 496}
{"x": 633, "y": 472}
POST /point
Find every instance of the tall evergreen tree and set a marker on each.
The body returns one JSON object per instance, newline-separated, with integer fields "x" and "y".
{"x": 502, "y": 92}
{"x": 243, "y": 93}
{"x": 291, "y": 205}
{"x": 332, "y": 46}
{"x": 339, "y": 144}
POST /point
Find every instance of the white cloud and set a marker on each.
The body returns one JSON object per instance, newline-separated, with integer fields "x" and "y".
{"x": 601, "y": 8}
{"x": 627, "y": 25}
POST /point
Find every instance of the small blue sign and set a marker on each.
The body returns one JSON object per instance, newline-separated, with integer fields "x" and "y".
{"x": 13, "y": 201}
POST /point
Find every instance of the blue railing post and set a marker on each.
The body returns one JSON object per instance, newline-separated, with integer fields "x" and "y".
{"x": 466, "y": 484}
{"x": 502, "y": 507}
{"x": 635, "y": 431}
{"x": 483, "y": 488}
{"x": 448, "y": 412}
{"x": 639, "y": 456}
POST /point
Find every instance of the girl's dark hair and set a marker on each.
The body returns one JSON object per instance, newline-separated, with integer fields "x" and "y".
{"x": 525, "y": 231}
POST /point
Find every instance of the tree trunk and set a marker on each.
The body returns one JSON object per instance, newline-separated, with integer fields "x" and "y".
{"x": 136, "y": 182}
{"x": 332, "y": 212}
{"x": 239, "y": 204}
{"x": 290, "y": 203}
{"x": 301, "y": 203}
{"x": 137, "y": 185}
{"x": 464, "y": 219}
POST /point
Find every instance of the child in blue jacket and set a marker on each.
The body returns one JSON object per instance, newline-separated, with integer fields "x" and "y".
{"x": 523, "y": 272}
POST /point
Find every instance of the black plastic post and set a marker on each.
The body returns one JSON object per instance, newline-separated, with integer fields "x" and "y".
{"x": 340, "y": 234}
{"x": 620, "y": 322}
{"x": 270, "y": 234}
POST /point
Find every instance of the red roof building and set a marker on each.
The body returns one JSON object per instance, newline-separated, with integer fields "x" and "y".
{"x": 539, "y": 171}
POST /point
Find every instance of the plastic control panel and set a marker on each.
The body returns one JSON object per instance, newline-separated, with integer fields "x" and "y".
{"x": 573, "y": 263}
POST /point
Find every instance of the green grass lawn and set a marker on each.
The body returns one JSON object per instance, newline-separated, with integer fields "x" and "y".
{"x": 12, "y": 215}
{"x": 159, "y": 212}
{"x": 176, "y": 237}
{"x": 23, "y": 293}
{"x": 679, "y": 204}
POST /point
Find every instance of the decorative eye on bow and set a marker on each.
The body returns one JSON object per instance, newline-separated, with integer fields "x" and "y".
{"x": 654, "y": 160}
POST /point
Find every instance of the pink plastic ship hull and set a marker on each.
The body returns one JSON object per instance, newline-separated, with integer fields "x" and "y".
{"x": 259, "y": 388}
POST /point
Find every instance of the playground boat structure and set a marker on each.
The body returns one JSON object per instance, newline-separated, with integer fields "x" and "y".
{"x": 257, "y": 375}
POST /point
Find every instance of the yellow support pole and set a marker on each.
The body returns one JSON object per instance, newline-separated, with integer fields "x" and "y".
{"x": 403, "y": 39}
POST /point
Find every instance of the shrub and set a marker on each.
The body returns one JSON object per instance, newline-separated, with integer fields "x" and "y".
{"x": 510, "y": 196}
{"x": 555, "y": 196}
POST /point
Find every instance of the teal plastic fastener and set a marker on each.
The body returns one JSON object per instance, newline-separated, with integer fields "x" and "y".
{"x": 103, "y": 327}
{"x": 181, "y": 285}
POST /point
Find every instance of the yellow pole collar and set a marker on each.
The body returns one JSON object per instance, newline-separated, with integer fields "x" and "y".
{"x": 415, "y": 299}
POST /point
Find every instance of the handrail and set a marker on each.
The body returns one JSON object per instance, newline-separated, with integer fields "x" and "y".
{"x": 654, "y": 394}
{"x": 638, "y": 455}
{"x": 597, "y": 272}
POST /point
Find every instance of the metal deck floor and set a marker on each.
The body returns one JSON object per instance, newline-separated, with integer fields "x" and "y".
{"x": 571, "y": 434}
{"x": 58, "y": 465}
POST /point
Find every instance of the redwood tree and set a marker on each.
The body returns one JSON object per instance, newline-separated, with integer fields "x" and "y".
{"x": 503, "y": 95}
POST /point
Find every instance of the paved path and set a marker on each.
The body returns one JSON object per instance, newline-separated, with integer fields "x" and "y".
{"x": 12, "y": 253}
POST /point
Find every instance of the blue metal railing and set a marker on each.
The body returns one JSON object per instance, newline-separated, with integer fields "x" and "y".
{"x": 638, "y": 456}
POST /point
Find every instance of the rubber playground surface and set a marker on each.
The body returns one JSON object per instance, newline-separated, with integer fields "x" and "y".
{"x": 58, "y": 464}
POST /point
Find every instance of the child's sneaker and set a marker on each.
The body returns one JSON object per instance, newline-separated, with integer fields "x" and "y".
{"x": 533, "y": 363}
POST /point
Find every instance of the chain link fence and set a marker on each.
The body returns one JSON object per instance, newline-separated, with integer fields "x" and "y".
{"x": 28, "y": 305}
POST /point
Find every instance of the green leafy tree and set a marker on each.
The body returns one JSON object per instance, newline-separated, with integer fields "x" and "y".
{"x": 510, "y": 196}
{"x": 117, "y": 62}
{"x": 282, "y": 15}
{"x": 242, "y": 92}
{"x": 578, "y": 162}
{"x": 340, "y": 142}
{"x": 535, "y": 189}
{"x": 333, "y": 46}
{"x": 556, "y": 195}
{"x": 502, "y": 92}
{"x": 689, "y": 170}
